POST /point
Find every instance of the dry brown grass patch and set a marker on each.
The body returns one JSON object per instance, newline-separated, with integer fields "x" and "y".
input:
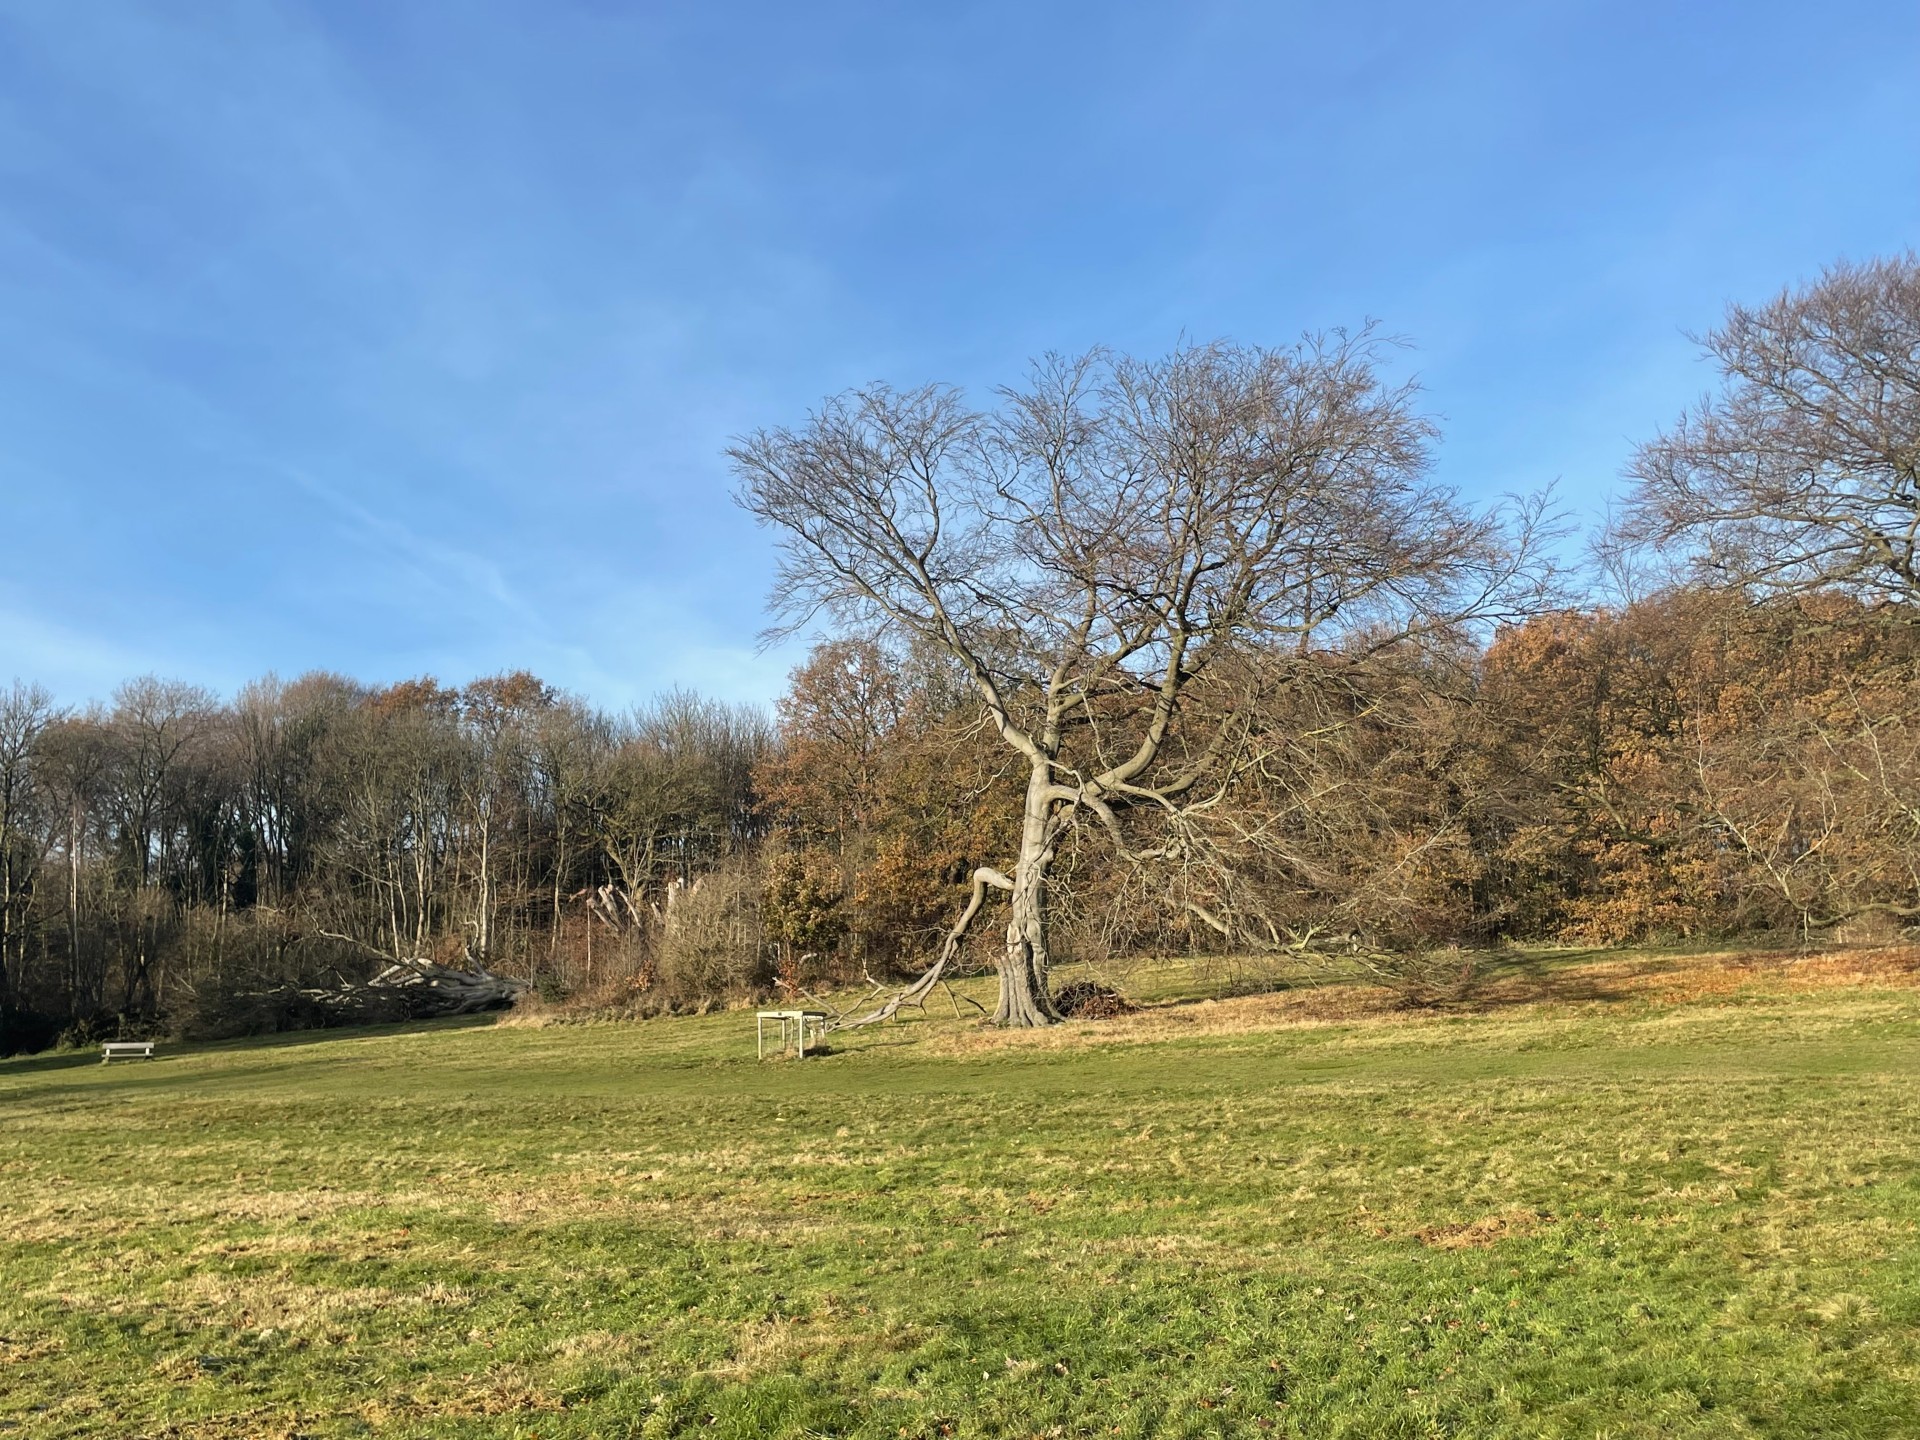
{"x": 1674, "y": 980}
{"x": 1188, "y": 1019}
{"x": 1487, "y": 1230}
{"x": 271, "y": 1304}
{"x": 505, "y": 1390}
{"x": 1681, "y": 980}
{"x": 263, "y": 1423}
{"x": 781, "y": 1343}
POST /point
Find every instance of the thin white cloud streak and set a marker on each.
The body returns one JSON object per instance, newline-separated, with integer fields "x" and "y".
{"x": 440, "y": 568}
{"x": 75, "y": 665}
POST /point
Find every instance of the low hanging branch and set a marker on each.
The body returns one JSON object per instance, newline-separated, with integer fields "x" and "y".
{"x": 916, "y": 994}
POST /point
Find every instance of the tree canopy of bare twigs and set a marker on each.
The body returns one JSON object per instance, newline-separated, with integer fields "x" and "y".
{"x": 1112, "y": 538}
{"x": 1803, "y": 471}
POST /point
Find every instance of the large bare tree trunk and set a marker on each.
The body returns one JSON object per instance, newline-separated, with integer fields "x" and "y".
{"x": 1025, "y": 1000}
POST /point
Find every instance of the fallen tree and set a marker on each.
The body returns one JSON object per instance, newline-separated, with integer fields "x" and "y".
{"x": 409, "y": 989}
{"x": 399, "y": 988}
{"x": 428, "y": 990}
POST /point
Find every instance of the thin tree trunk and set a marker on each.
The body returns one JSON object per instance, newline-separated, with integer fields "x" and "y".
{"x": 483, "y": 923}
{"x": 6, "y": 919}
{"x": 559, "y": 873}
{"x": 422, "y": 861}
{"x": 220, "y": 927}
{"x": 73, "y": 912}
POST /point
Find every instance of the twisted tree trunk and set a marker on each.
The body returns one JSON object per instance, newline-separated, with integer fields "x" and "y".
{"x": 1025, "y": 1000}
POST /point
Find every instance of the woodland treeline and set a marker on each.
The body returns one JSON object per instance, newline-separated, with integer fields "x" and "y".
{"x": 1184, "y": 655}
{"x": 1690, "y": 765}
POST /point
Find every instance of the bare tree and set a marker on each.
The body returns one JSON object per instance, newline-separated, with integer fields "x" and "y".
{"x": 281, "y": 731}
{"x": 25, "y": 712}
{"x": 566, "y": 744}
{"x": 1803, "y": 472}
{"x": 1108, "y": 540}
{"x": 155, "y": 725}
{"x": 74, "y": 761}
{"x": 498, "y": 714}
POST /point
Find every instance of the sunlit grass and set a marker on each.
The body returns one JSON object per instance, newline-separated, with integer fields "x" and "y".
{"x": 1628, "y": 1196}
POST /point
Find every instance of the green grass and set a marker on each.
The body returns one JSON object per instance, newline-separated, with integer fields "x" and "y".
{"x": 1625, "y": 1216}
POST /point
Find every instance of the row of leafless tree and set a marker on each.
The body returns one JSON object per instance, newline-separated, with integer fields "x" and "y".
{"x": 171, "y": 854}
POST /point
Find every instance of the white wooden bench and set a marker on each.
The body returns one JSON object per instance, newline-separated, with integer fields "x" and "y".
{"x": 126, "y": 1050}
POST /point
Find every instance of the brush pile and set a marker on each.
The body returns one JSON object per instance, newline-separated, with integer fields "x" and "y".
{"x": 1087, "y": 1000}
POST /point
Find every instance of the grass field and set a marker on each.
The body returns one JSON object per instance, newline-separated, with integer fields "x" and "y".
{"x": 1646, "y": 1196}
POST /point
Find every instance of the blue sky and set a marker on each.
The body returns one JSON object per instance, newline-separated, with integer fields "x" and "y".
{"x": 398, "y": 338}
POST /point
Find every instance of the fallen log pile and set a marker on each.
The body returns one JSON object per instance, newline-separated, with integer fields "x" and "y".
{"x": 415, "y": 990}
{"x": 399, "y": 990}
{"x": 437, "y": 990}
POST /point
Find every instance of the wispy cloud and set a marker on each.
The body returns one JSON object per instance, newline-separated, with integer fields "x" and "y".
{"x": 391, "y": 338}
{"x": 74, "y": 664}
{"x": 435, "y": 570}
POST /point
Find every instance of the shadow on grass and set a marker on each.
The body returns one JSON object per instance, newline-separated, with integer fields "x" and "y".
{"x": 1533, "y": 979}
{"x": 1486, "y": 981}
{"x": 51, "y": 1060}
{"x": 1598, "y": 974}
{"x": 165, "y": 1050}
{"x": 295, "y": 1039}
